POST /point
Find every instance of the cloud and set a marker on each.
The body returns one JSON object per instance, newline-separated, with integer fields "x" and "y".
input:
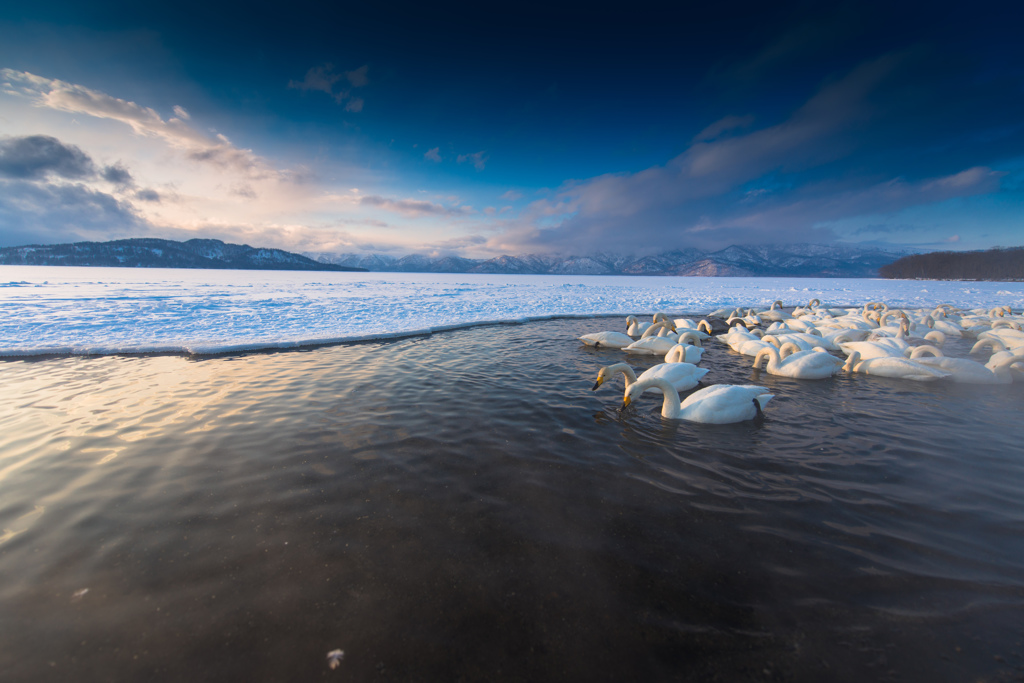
{"x": 35, "y": 157}
{"x": 412, "y": 207}
{"x": 511, "y": 196}
{"x": 148, "y": 195}
{"x": 323, "y": 79}
{"x": 144, "y": 121}
{"x": 709, "y": 195}
{"x": 478, "y": 159}
{"x": 181, "y": 113}
{"x": 45, "y": 213}
{"x": 433, "y": 154}
{"x": 358, "y": 77}
{"x": 118, "y": 175}
{"x": 723, "y": 125}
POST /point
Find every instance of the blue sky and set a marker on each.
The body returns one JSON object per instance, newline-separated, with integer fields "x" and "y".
{"x": 483, "y": 130}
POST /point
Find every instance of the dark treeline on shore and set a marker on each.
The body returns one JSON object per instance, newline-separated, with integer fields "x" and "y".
{"x": 995, "y": 264}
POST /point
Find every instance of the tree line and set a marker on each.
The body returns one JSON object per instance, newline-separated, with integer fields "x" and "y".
{"x": 1000, "y": 263}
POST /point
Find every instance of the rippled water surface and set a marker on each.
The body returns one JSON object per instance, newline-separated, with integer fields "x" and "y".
{"x": 462, "y": 507}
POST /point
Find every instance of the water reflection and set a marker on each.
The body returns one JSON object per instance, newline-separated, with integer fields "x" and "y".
{"x": 437, "y": 513}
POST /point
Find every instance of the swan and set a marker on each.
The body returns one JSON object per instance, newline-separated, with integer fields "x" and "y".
{"x": 801, "y": 365}
{"x": 891, "y": 366}
{"x": 651, "y": 344}
{"x": 967, "y": 371}
{"x": 684, "y": 353}
{"x": 634, "y": 327}
{"x": 611, "y": 340}
{"x": 718, "y": 404}
{"x": 682, "y": 376}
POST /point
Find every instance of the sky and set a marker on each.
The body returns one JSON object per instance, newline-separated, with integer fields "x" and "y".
{"x": 531, "y": 128}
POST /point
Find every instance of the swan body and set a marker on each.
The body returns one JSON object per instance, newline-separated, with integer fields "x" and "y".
{"x": 891, "y": 366}
{"x": 719, "y": 404}
{"x": 800, "y": 365}
{"x": 682, "y": 376}
{"x": 652, "y": 346}
{"x": 967, "y": 371}
{"x": 652, "y": 343}
{"x": 880, "y": 348}
{"x": 611, "y": 340}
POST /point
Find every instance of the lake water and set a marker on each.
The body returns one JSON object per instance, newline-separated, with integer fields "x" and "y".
{"x": 462, "y": 506}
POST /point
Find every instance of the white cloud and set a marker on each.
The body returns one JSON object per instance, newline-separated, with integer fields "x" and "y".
{"x": 511, "y": 196}
{"x": 77, "y": 99}
{"x": 433, "y": 154}
{"x": 181, "y": 113}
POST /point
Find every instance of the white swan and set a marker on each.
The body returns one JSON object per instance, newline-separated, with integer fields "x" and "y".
{"x": 967, "y": 371}
{"x": 651, "y": 344}
{"x": 719, "y": 404}
{"x": 682, "y": 376}
{"x": 801, "y": 365}
{"x": 891, "y": 366}
{"x": 611, "y": 340}
{"x": 684, "y": 353}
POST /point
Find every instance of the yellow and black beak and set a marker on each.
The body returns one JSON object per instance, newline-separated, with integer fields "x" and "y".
{"x": 625, "y": 401}
{"x": 599, "y": 382}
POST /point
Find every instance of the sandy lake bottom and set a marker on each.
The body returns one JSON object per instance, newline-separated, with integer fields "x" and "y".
{"x": 462, "y": 506}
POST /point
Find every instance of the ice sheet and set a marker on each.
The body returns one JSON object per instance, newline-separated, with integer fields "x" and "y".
{"x": 64, "y": 310}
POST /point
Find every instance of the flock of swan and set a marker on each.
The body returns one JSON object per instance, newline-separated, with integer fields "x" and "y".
{"x": 875, "y": 339}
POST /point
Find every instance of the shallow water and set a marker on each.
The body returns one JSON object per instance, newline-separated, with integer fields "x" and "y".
{"x": 462, "y": 507}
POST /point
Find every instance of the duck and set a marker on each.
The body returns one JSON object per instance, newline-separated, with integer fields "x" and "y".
{"x": 800, "y": 365}
{"x": 892, "y": 366}
{"x": 718, "y": 404}
{"x": 682, "y": 376}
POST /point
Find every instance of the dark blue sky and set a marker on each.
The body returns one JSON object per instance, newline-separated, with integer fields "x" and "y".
{"x": 519, "y": 128}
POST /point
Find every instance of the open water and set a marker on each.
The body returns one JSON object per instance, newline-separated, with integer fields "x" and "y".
{"x": 462, "y": 506}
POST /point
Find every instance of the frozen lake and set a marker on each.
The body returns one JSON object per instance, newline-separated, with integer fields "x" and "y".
{"x": 55, "y": 310}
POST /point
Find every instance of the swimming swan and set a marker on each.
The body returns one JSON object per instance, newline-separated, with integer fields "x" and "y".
{"x": 611, "y": 340}
{"x": 684, "y": 353}
{"x": 967, "y": 371}
{"x": 801, "y": 365}
{"x": 651, "y": 344}
{"x": 719, "y": 404}
{"x": 891, "y": 366}
{"x": 682, "y": 376}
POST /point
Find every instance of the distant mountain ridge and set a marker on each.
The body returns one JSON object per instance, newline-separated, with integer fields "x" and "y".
{"x": 150, "y": 252}
{"x": 791, "y": 260}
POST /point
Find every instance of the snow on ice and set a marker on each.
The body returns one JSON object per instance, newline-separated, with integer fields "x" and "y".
{"x": 64, "y": 310}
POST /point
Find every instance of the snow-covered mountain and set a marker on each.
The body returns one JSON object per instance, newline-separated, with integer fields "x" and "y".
{"x": 159, "y": 253}
{"x": 789, "y": 260}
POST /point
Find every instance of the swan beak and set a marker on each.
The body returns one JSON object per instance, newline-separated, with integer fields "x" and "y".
{"x": 625, "y": 402}
{"x": 599, "y": 382}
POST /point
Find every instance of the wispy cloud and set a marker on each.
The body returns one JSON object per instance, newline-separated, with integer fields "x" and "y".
{"x": 77, "y": 99}
{"x": 433, "y": 154}
{"x": 413, "y": 207}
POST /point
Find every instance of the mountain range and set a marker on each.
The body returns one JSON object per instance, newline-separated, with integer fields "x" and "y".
{"x": 157, "y": 253}
{"x": 792, "y": 260}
